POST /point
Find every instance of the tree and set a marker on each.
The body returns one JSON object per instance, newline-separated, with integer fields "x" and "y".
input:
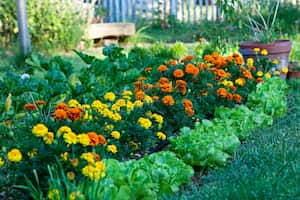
{"x": 23, "y": 27}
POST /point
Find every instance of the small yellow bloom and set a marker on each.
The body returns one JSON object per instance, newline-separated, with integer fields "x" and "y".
{"x": 138, "y": 103}
{"x": 40, "y": 130}
{"x": 89, "y": 156}
{"x": 74, "y": 103}
{"x": 116, "y": 134}
{"x": 74, "y": 162}
{"x": 1, "y": 162}
{"x": 71, "y": 176}
{"x": 268, "y": 75}
{"x": 161, "y": 135}
{"x": 285, "y": 70}
{"x": 127, "y": 93}
{"x": 70, "y": 138}
{"x": 148, "y": 99}
{"x": 260, "y": 73}
{"x": 275, "y": 61}
{"x": 83, "y": 139}
{"x": 110, "y": 96}
{"x": 250, "y": 62}
{"x": 63, "y": 130}
{"x": 277, "y": 73}
{"x": 109, "y": 127}
{"x": 14, "y": 155}
{"x": 16, "y": 30}
{"x": 264, "y": 52}
{"x": 256, "y": 50}
{"x": 32, "y": 154}
{"x": 144, "y": 123}
{"x": 65, "y": 156}
{"x": 53, "y": 194}
{"x": 49, "y": 138}
{"x": 112, "y": 148}
{"x": 240, "y": 81}
{"x": 134, "y": 145}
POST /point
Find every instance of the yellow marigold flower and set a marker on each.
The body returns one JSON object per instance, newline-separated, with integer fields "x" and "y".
{"x": 109, "y": 96}
{"x": 49, "y": 138}
{"x": 112, "y": 148}
{"x": 148, "y": 99}
{"x": 268, "y": 75}
{"x": 32, "y": 154}
{"x": 129, "y": 106}
{"x": 74, "y": 103}
{"x": 100, "y": 165}
{"x": 127, "y": 93}
{"x": 65, "y": 156}
{"x": 144, "y": 123}
{"x": 1, "y": 162}
{"x": 53, "y": 194}
{"x": 116, "y": 117}
{"x": 275, "y": 61}
{"x": 40, "y": 130}
{"x": 16, "y": 30}
{"x": 74, "y": 162}
{"x": 138, "y": 103}
{"x": 63, "y": 130}
{"x": 89, "y": 156}
{"x": 250, "y": 62}
{"x": 277, "y": 73}
{"x": 109, "y": 127}
{"x": 86, "y": 107}
{"x": 240, "y": 81}
{"x": 71, "y": 176}
{"x": 75, "y": 195}
{"x": 94, "y": 172}
{"x": 161, "y": 135}
{"x": 115, "y": 107}
{"x": 264, "y": 52}
{"x": 121, "y": 102}
{"x": 14, "y": 155}
{"x": 98, "y": 105}
{"x": 159, "y": 119}
{"x": 83, "y": 139}
{"x": 260, "y": 73}
{"x": 70, "y": 138}
{"x": 116, "y": 134}
{"x": 256, "y": 50}
{"x": 285, "y": 70}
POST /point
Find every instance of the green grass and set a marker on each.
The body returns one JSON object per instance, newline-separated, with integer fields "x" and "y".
{"x": 266, "y": 167}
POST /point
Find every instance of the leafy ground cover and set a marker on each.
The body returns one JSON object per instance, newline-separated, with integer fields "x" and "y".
{"x": 266, "y": 167}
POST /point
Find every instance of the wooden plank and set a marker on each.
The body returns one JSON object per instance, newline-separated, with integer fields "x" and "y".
{"x": 182, "y": 10}
{"x": 212, "y": 9}
{"x": 195, "y": 12}
{"x": 123, "y": 10}
{"x": 189, "y": 10}
{"x": 201, "y": 12}
{"x": 206, "y": 8}
{"x": 97, "y": 31}
{"x": 133, "y": 11}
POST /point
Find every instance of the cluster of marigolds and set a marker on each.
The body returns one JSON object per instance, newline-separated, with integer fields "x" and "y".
{"x": 169, "y": 83}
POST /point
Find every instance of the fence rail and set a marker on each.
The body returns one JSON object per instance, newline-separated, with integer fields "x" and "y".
{"x": 163, "y": 11}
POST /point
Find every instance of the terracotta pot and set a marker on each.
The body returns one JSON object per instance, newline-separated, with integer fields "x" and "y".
{"x": 280, "y": 50}
{"x": 293, "y": 73}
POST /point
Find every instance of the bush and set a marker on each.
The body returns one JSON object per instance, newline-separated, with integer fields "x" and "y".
{"x": 52, "y": 24}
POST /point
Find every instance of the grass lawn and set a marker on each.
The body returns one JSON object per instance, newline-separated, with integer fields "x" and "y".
{"x": 266, "y": 167}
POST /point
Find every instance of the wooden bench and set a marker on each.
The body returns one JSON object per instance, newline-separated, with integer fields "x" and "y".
{"x": 110, "y": 30}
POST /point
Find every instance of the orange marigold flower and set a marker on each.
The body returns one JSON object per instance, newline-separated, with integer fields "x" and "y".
{"x": 229, "y": 96}
{"x": 139, "y": 95}
{"x": 40, "y": 102}
{"x": 162, "y": 68}
{"x": 168, "y": 100}
{"x": 222, "y": 92}
{"x": 229, "y": 58}
{"x": 167, "y": 87}
{"x": 232, "y": 87}
{"x": 191, "y": 69}
{"x": 189, "y": 57}
{"x": 94, "y": 139}
{"x": 240, "y": 81}
{"x": 148, "y": 86}
{"x": 30, "y": 106}
{"x": 189, "y": 111}
{"x": 208, "y": 58}
{"x": 252, "y": 68}
{"x": 238, "y": 60}
{"x": 247, "y": 74}
{"x": 202, "y": 66}
{"x": 181, "y": 86}
{"x": 138, "y": 85}
{"x": 237, "y": 98}
{"x": 101, "y": 139}
{"x": 235, "y": 55}
{"x": 172, "y": 62}
{"x": 163, "y": 80}
{"x": 178, "y": 73}
{"x": 60, "y": 114}
{"x": 259, "y": 80}
{"x": 222, "y": 74}
{"x": 148, "y": 69}
{"x": 202, "y": 39}
{"x": 74, "y": 114}
{"x": 62, "y": 106}
{"x": 187, "y": 103}
{"x": 155, "y": 98}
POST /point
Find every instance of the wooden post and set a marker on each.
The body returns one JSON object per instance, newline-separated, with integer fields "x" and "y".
{"x": 23, "y": 28}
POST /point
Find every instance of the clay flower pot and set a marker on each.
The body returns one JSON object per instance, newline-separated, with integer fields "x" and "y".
{"x": 293, "y": 72}
{"x": 279, "y": 49}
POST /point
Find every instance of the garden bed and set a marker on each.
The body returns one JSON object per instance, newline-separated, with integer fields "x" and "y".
{"x": 78, "y": 132}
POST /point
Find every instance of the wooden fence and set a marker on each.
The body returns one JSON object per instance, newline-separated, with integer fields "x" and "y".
{"x": 153, "y": 11}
